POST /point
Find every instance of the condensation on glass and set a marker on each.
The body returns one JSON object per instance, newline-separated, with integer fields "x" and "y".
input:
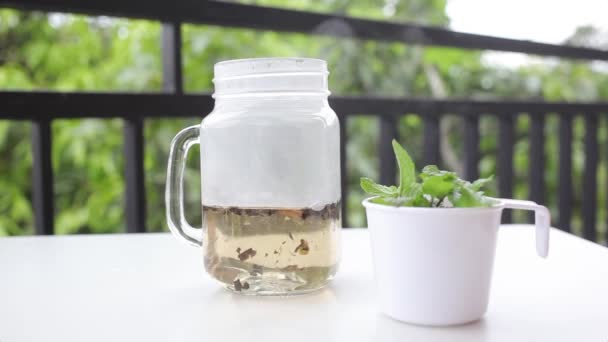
{"x": 270, "y": 168}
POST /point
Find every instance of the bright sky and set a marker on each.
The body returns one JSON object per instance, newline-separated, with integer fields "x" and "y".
{"x": 549, "y": 21}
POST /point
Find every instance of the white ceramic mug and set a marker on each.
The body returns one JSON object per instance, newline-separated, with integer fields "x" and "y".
{"x": 433, "y": 266}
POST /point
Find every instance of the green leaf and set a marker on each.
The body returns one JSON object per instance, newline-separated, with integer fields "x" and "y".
{"x": 413, "y": 190}
{"x": 422, "y": 202}
{"x": 416, "y": 197}
{"x": 392, "y": 201}
{"x": 430, "y": 170}
{"x": 478, "y": 184}
{"x": 438, "y": 186}
{"x": 372, "y": 188}
{"x": 433, "y": 170}
{"x": 412, "y": 196}
{"x": 437, "y": 183}
{"x": 407, "y": 169}
{"x": 466, "y": 197}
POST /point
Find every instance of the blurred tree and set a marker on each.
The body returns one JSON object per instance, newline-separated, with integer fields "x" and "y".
{"x": 70, "y": 52}
{"x": 589, "y": 36}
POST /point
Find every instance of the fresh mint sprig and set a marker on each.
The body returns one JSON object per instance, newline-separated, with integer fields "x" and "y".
{"x": 437, "y": 188}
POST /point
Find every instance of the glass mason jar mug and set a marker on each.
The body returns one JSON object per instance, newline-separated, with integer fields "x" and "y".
{"x": 270, "y": 168}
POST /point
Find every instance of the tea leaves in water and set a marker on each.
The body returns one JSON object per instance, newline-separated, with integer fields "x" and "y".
{"x": 272, "y": 250}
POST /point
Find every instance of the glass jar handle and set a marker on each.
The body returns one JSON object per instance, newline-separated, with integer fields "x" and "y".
{"x": 174, "y": 190}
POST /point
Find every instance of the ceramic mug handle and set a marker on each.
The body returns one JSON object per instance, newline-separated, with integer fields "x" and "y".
{"x": 174, "y": 191}
{"x": 542, "y": 221}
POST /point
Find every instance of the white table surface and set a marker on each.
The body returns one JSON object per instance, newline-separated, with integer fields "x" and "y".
{"x": 150, "y": 287}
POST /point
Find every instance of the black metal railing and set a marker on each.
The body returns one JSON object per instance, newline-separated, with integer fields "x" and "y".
{"x": 42, "y": 107}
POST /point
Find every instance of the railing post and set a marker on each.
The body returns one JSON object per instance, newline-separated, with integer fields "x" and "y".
{"x": 431, "y": 137}
{"x": 135, "y": 207}
{"x": 589, "y": 203}
{"x": 471, "y": 147}
{"x": 134, "y": 131}
{"x": 506, "y": 140}
{"x": 388, "y": 132}
{"x": 42, "y": 178}
{"x": 172, "y": 57}
{"x": 537, "y": 159}
{"x": 565, "y": 172}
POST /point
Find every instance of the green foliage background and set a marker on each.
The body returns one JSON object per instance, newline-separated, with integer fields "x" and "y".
{"x": 60, "y": 52}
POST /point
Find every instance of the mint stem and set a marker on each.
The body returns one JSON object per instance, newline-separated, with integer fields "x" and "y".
{"x": 440, "y": 201}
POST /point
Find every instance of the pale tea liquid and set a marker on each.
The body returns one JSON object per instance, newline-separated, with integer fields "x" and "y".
{"x": 272, "y": 251}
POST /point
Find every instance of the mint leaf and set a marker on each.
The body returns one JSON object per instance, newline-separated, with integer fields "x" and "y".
{"x": 413, "y": 191}
{"x": 392, "y": 201}
{"x": 431, "y": 170}
{"x": 372, "y": 188}
{"x": 422, "y": 201}
{"x": 407, "y": 169}
{"x": 437, "y": 183}
{"x": 478, "y": 184}
{"x": 464, "y": 197}
{"x": 438, "y": 188}
{"x": 413, "y": 197}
